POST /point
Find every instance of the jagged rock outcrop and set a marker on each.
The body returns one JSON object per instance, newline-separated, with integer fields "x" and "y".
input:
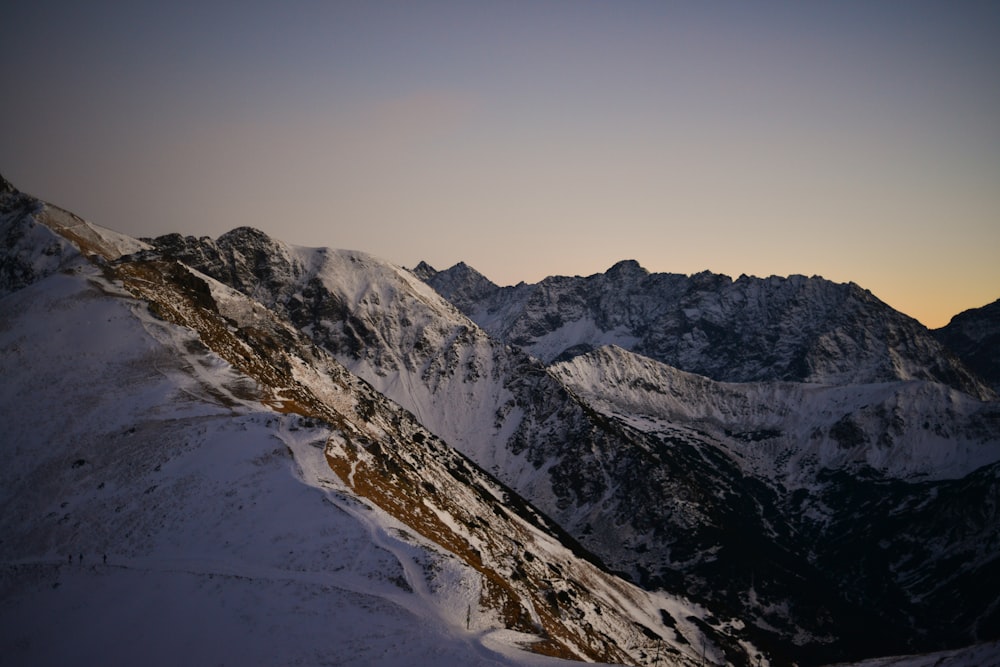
{"x": 208, "y": 363}
{"x": 840, "y": 505}
{"x": 751, "y": 329}
{"x": 710, "y": 507}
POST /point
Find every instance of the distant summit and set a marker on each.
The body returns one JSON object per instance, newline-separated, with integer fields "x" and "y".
{"x": 424, "y": 271}
{"x": 627, "y": 269}
{"x": 748, "y": 330}
{"x": 461, "y": 281}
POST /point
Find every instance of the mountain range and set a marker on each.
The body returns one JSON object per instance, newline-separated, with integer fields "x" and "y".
{"x": 343, "y": 460}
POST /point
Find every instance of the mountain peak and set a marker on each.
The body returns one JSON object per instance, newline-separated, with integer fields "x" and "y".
{"x": 244, "y": 235}
{"x": 627, "y": 268}
{"x": 458, "y": 284}
{"x": 424, "y": 271}
{"x": 463, "y": 268}
{"x": 12, "y": 199}
{"x": 6, "y": 188}
{"x": 758, "y": 495}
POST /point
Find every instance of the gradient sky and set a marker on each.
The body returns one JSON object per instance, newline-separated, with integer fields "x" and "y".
{"x": 859, "y": 141}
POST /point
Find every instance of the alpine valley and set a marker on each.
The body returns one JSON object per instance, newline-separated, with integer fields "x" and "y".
{"x": 237, "y": 450}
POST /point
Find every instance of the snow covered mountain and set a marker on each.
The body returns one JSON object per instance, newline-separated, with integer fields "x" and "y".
{"x": 188, "y": 476}
{"x": 748, "y": 493}
{"x": 839, "y": 502}
{"x": 683, "y": 508}
{"x": 322, "y": 437}
{"x": 748, "y": 330}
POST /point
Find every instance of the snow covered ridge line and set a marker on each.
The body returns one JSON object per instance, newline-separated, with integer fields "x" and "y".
{"x": 834, "y": 522}
{"x": 672, "y": 507}
{"x": 788, "y": 432}
{"x": 751, "y": 329}
{"x": 32, "y": 252}
{"x": 226, "y": 540}
{"x": 532, "y": 582}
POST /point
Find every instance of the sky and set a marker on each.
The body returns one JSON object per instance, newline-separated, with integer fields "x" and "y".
{"x": 859, "y": 141}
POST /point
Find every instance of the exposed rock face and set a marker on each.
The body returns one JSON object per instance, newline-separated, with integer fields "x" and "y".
{"x": 30, "y": 252}
{"x": 6, "y": 188}
{"x": 974, "y": 335}
{"x": 751, "y": 329}
{"x": 192, "y": 401}
{"x": 746, "y": 496}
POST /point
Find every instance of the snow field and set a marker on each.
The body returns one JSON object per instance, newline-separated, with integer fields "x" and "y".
{"x": 227, "y": 540}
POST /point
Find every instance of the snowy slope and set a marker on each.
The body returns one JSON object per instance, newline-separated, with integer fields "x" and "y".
{"x": 226, "y": 536}
{"x": 398, "y": 334}
{"x": 788, "y": 432}
{"x": 698, "y": 501}
{"x": 256, "y": 502}
{"x": 281, "y": 434}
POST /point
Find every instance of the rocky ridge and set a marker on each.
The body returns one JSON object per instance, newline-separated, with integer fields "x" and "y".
{"x": 238, "y": 360}
{"x": 674, "y": 506}
{"x": 759, "y": 501}
{"x": 752, "y": 329}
